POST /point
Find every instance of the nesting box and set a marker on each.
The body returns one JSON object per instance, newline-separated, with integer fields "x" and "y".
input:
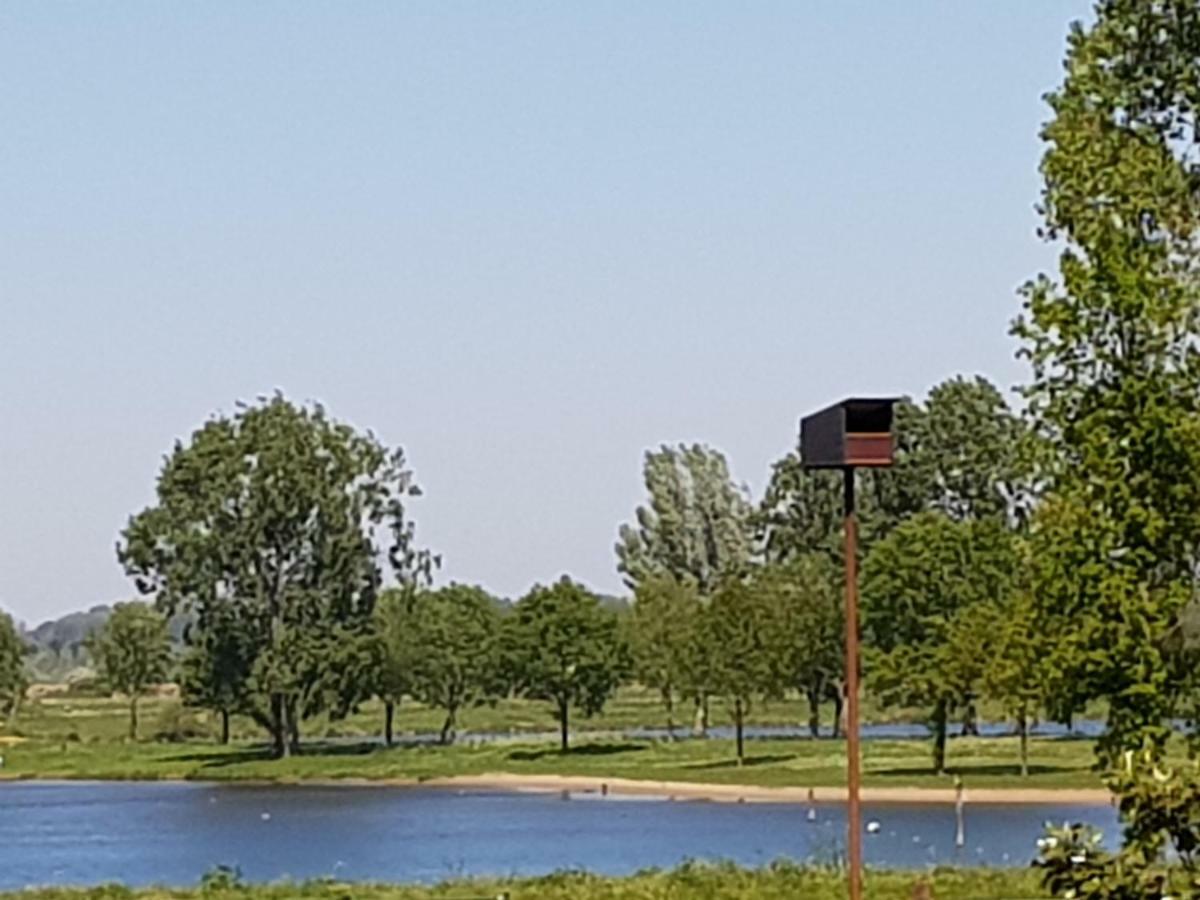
{"x": 855, "y": 432}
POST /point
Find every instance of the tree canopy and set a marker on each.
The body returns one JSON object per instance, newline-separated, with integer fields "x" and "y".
{"x": 272, "y": 521}
{"x": 929, "y": 593}
{"x": 696, "y": 524}
{"x": 132, "y": 653}
{"x": 1115, "y": 388}
{"x": 455, "y": 636}
{"x": 563, "y": 646}
{"x": 13, "y": 679}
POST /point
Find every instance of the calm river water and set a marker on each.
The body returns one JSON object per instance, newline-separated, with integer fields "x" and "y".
{"x": 144, "y": 833}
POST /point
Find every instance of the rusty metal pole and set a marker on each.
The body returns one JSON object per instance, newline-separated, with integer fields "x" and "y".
{"x": 853, "y": 811}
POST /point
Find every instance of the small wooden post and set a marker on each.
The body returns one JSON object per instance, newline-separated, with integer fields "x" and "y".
{"x": 960, "y": 827}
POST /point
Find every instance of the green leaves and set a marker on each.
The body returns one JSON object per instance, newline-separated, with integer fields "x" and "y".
{"x": 563, "y": 646}
{"x": 932, "y": 592}
{"x": 1115, "y": 394}
{"x": 270, "y": 525}
{"x": 132, "y": 652}
{"x": 664, "y": 639}
{"x": 13, "y": 680}
{"x": 696, "y": 526}
{"x": 449, "y": 653}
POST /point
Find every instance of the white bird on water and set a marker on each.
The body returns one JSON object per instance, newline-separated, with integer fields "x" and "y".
{"x": 873, "y": 827}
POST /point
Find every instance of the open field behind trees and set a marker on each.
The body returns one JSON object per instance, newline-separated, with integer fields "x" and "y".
{"x": 983, "y": 762}
{"x": 88, "y": 717}
{"x": 719, "y": 882}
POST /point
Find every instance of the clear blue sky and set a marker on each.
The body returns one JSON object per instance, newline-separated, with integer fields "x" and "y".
{"x": 526, "y": 241}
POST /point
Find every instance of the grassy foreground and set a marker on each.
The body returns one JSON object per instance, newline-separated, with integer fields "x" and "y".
{"x": 982, "y": 762}
{"x": 717, "y": 882}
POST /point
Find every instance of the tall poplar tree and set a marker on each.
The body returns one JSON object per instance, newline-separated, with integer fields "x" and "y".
{"x": 1113, "y": 341}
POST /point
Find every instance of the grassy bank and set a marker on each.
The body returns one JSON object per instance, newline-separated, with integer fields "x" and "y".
{"x": 983, "y": 762}
{"x": 689, "y": 881}
{"x": 74, "y": 737}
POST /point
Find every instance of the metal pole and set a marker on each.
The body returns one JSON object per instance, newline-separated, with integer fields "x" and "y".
{"x": 853, "y": 812}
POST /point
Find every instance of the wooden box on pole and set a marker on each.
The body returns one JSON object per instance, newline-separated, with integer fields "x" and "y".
{"x": 856, "y": 432}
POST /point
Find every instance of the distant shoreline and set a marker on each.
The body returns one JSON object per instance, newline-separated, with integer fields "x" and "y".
{"x": 633, "y": 787}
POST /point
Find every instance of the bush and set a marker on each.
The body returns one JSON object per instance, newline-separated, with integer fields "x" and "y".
{"x": 222, "y": 879}
{"x": 1160, "y": 808}
{"x": 177, "y": 725}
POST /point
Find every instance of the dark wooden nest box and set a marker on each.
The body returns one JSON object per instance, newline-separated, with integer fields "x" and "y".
{"x": 855, "y": 432}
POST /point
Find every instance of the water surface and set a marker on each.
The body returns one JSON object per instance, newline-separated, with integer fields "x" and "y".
{"x": 157, "y": 833}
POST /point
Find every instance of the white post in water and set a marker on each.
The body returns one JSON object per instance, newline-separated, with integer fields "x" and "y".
{"x": 960, "y": 828}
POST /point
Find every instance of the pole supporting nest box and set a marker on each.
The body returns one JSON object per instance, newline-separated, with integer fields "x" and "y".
{"x": 856, "y": 432}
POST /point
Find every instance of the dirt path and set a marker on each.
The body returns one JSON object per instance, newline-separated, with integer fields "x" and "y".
{"x": 735, "y": 793}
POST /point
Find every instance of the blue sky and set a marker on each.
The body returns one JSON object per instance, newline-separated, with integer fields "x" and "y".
{"x": 525, "y": 241}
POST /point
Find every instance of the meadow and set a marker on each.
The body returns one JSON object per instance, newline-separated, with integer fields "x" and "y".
{"x": 73, "y": 737}
{"x": 716, "y": 882}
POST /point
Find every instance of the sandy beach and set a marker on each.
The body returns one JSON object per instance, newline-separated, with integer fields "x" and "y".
{"x": 735, "y": 793}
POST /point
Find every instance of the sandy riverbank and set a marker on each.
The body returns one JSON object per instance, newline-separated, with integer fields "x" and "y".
{"x": 736, "y": 793}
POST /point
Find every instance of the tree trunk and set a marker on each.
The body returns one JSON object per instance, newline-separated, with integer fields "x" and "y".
{"x": 279, "y": 729}
{"x": 970, "y": 722}
{"x": 669, "y": 703}
{"x": 448, "y": 727}
{"x": 700, "y": 721}
{"x": 1023, "y": 730}
{"x": 563, "y": 714}
{"x": 133, "y": 718}
{"x": 939, "y": 737}
{"x": 224, "y": 727}
{"x": 293, "y": 728}
{"x": 814, "y": 712}
{"x": 839, "y": 711}
{"x": 389, "y": 719}
{"x": 738, "y": 717}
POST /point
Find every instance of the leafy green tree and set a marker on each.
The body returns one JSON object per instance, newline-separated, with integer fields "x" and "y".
{"x": 132, "y": 653}
{"x": 276, "y": 518}
{"x": 395, "y": 652}
{"x": 455, "y": 635}
{"x": 808, "y": 633}
{"x": 563, "y": 646}
{"x": 13, "y": 680}
{"x": 215, "y": 671}
{"x": 1016, "y": 670}
{"x": 696, "y": 524}
{"x": 1115, "y": 389}
{"x": 740, "y": 628}
{"x": 959, "y": 452}
{"x": 964, "y": 450}
{"x": 662, "y": 637}
{"x": 926, "y": 589}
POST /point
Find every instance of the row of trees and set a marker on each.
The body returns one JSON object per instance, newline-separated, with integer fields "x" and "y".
{"x": 450, "y": 648}
{"x": 273, "y": 527}
{"x": 943, "y": 541}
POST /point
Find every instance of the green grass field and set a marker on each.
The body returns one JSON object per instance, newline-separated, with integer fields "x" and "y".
{"x": 718, "y": 882}
{"x": 74, "y": 738}
{"x": 983, "y": 762}
{"x": 632, "y": 707}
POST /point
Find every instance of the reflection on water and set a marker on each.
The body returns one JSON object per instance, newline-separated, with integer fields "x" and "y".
{"x": 172, "y": 833}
